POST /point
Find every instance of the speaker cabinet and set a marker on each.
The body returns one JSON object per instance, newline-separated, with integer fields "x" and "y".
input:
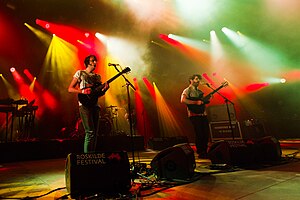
{"x": 218, "y": 113}
{"x": 232, "y": 152}
{"x": 177, "y": 162}
{"x": 160, "y": 143}
{"x": 92, "y": 173}
{"x": 222, "y": 130}
{"x": 239, "y": 152}
{"x": 267, "y": 149}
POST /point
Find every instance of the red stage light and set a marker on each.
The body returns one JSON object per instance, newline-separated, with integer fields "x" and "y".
{"x": 12, "y": 69}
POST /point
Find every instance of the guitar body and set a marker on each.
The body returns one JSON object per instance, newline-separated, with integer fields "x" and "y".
{"x": 90, "y": 100}
{"x": 199, "y": 109}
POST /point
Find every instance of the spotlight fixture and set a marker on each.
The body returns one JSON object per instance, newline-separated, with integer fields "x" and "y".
{"x": 12, "y": 69}
{"x": 283, "y": 80}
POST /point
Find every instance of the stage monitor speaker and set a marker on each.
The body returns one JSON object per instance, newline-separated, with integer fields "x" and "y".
{"x": 267, "y": 149}
{"x": 239, "y": 152}
{"x": 177, "y": 162}
{"x": 93, "y": 173}
{"x": 232, "y": 152}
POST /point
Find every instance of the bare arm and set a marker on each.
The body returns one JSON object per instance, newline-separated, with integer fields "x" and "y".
{"x": 74, "y": 88}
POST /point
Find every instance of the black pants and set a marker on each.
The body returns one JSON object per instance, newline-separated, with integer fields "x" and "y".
{"x": 201, "y": 127}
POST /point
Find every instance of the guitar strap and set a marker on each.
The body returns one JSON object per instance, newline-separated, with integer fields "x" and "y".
{"x": 89, "y": 79}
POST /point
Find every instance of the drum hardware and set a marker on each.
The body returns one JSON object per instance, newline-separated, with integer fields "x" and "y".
{"x": 106, "y": 126}
{"x": 111, "y": 106}
{"x": 113, "y": 116}
{"x": 113, "y": 111}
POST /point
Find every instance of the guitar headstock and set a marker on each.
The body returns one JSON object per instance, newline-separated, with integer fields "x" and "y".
{"x": 225, "y": 84}
{"x": 126, "y": 70}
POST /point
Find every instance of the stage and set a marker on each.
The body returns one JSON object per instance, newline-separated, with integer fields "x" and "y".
{"x": 273, "y": 180}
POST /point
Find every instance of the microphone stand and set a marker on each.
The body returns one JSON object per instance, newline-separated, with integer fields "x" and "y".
{"x": 227, "y": 108}
{"x": 128, "y": 83}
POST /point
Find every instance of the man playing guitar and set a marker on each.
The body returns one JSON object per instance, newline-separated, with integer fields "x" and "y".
{"x": 195, "y": 100}
{"x": 82, "y": 83}
{"x": 192, "y": 96}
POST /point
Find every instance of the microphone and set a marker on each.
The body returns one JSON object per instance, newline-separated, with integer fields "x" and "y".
{"x": 112, "y": 64}
{"x": 204, "y": 83}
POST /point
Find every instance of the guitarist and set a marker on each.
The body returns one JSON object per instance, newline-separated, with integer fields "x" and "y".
{"x": 82, "y": 84}
{"x": 192, "y": 96}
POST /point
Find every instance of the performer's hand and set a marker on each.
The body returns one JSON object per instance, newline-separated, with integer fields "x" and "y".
{"x": 86, "y": 91}
{"x": 199, "y": 102}
{"x": 106, "y": 86}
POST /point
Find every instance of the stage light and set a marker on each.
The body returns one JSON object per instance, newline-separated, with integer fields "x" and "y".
{"x": 101, "y": 37}
{"x": 28, "y": 74}
{"x": 283, "y": 80}
{"x": 170, "y": 36}
{"x": 224, "y": 29}
{"x": 87, "y": 34}
{"x": 0, "y": 75}
{"x": 12, "y": 69}
{"x": 43, "y": 24}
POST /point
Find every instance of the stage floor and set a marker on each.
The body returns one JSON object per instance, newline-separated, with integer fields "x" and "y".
{"x": 277, "y": 181}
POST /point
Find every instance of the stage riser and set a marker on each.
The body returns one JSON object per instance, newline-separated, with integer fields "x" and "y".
{"x": 120, "y": 143}
{"x": 50, "y": 149}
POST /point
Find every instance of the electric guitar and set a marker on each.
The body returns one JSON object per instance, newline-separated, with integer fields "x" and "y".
{"x": 199, "y": 109}
{"x": 97, "y": 90}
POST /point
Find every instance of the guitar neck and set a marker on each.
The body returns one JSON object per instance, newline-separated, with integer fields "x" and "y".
{"x": 216, "y": 90}
{"x": 114, "y": 77}
{"x": 127, "y": 69}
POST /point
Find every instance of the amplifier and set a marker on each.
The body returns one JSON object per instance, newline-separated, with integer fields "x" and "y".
{"x": 222, "y": 130}
{"x": 218, "y": 113}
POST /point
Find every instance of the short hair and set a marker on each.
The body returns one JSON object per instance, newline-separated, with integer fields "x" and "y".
{"x": 193, "y": 76}
{"x": 87, "y": 59}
